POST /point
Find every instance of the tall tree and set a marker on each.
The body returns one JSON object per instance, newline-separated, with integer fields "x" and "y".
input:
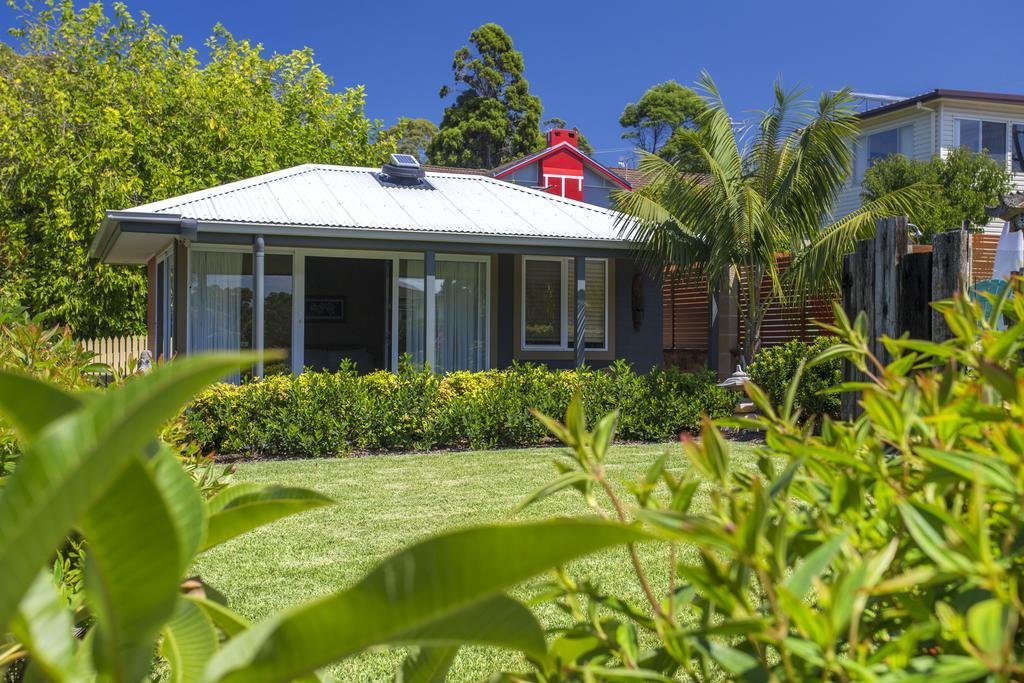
{"x": 581, "y": 139}
{"x": 103, "y": 111}
{"x": 663, "y": 110}
{"x": 773, "y": 193}
{"x": 965, "y": 184}
{"x": 413, "y": 136}
{"x": 494, "y": 117}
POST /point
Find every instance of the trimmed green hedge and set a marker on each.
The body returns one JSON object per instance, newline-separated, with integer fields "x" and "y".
{"x": 320, "y": 413}
{"x": 775, "y": 366}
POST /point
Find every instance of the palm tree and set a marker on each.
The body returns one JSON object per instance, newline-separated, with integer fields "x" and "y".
{"x": 770, "y": 187}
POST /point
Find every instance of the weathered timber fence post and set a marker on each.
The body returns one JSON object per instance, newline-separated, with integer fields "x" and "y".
{"x": 951, "y": 271}
{"x": 890, "y": 246}
{"x": 872, "y": 282}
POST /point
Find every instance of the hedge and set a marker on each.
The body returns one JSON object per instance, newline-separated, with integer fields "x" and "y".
{"x": 775, "y": 366}
{"x": 326, "y": 413}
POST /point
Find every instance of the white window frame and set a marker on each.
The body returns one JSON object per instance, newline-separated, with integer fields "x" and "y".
{"x": 1007, "y": 135}
{"x": 862, "y": 155}
{"x": 163, "y": 318}
{"x": 299, "y": 289}
{"x": 563, "y": 345}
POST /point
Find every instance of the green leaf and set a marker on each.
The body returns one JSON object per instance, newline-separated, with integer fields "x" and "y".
{"x": 988, "y": 624}
{"x": 604, "y": 433}
{"x": 816, "y": 562}
{"x": 132, "y": 572}
{"x": 604, "y": 673}
{"x": 420, "y": 585}
{"x": 189, "y": 641}
{"x": 559, "y": 483}
{"x": 427, "y": 665}
{"x": 931, "y": 541}
{"x": 244, "y": 507}
{"x": 45, "y": 628}
{"x": 993, "y": 472}
{"x": 73, "y": 461}
{"x": 227, "y": 620}
{"x": 184, "y": 503}
{"x": 32, "y": 404}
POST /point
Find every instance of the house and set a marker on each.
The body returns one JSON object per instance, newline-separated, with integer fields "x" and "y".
{"x": 459, "y": 270}
{"x": 560, "y": 169}
{"x": 936, "y": 123}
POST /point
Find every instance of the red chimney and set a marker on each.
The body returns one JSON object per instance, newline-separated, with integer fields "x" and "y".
{"x": 557, "y": 135}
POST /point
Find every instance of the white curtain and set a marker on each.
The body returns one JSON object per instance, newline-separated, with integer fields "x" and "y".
{"x": 461, "y": 315}
{"x": 411, "y": 311}
{"x": 215, "y": 300}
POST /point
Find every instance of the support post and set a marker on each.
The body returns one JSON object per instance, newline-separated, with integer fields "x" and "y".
{"x": 430, "y": 309}
{"x": 580, "y": 342}
{"x": 891, "y": 244}
{"x": 257, "y": 303}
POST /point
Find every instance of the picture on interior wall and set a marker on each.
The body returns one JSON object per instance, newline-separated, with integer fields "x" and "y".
{"x": 326, "y": 309}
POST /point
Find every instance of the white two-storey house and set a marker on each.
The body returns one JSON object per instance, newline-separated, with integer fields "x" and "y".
{"x": 934, "y": 124}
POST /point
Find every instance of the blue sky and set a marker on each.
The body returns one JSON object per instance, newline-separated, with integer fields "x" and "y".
{"x": 587, "y": 60}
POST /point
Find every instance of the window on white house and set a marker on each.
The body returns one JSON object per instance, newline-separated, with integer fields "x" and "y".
{"x": 881, "y": 145}
{"x": 978, "y": 135}
{"x": 549, "y": 303}
{"x": 878, "y": 146}
{"x": 1017, "y": 144}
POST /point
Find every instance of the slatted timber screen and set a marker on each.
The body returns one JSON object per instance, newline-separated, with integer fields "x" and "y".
{"x": 983, "y": 259}
{"x": 686, "y": 312}
{"x": 785, "y": 319}
{"x": 117, "y": 352}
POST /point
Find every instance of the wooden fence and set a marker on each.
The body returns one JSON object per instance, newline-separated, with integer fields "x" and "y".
{"x": 117, "y": 352}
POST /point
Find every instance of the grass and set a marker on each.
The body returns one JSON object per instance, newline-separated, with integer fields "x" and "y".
{"x": 387, "y": 502}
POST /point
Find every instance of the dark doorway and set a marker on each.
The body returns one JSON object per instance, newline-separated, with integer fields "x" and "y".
{"x": 347, "y": 313}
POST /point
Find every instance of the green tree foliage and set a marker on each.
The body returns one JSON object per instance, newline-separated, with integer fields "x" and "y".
{"x": 106, "y": 111}
{"x": 581, "y": 139}
{"x": 652, "y": 122}
{"x": 413, "y": 136}
{"x": 773, "y": 193}
{"x": 964, "y": 184}
{"x": 494, "y": 118}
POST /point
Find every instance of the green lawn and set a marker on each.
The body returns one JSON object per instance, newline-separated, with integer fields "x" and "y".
{"x": 386, "y": 502}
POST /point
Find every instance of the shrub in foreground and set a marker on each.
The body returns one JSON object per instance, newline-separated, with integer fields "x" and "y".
{"x": 775, "y": 366}
{"x": 887, "y": 549}
{"x": 317, "y": 413}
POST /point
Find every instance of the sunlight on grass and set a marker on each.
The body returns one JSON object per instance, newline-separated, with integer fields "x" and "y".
{"x": 386, "y": 502}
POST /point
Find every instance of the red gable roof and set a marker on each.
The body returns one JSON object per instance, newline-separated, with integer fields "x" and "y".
{"x": 560, "y": 148}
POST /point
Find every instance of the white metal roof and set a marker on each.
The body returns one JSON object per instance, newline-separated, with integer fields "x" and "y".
{"x": 314, "y": 195}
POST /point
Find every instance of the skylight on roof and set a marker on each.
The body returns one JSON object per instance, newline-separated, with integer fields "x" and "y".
{"x": 405, "y": 161}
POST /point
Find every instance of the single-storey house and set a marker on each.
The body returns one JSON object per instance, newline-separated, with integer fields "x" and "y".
{"x": 461, "y": 271}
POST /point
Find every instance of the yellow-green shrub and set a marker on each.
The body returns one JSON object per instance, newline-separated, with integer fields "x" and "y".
{"x": 318, "y": 413}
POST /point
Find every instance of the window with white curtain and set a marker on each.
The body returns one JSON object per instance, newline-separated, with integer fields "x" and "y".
{"x": 220, "y": 303}
{"x": 411, "y": 311}
{"x": 461, "y": 310}
{"x": 977, "y": 135}
{"x": 549, "y": 303}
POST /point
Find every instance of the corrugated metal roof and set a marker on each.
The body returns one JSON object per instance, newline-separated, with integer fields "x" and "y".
{"x": 315, "y": 195}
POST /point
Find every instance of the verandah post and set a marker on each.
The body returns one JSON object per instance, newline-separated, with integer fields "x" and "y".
{"x": 580, "y": 343}
{"x": 257, "y": 303}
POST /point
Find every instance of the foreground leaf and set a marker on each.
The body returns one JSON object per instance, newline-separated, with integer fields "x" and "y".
{"x": 427, "y": 665}
{"x": 242, "y": 508}
{"x": 131, "y": 585}
{"x": 74, "y": 460}
{"x": 45, "y": 628}
{"x": 189, "y": 641}
{"x": 414, "y": 589}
